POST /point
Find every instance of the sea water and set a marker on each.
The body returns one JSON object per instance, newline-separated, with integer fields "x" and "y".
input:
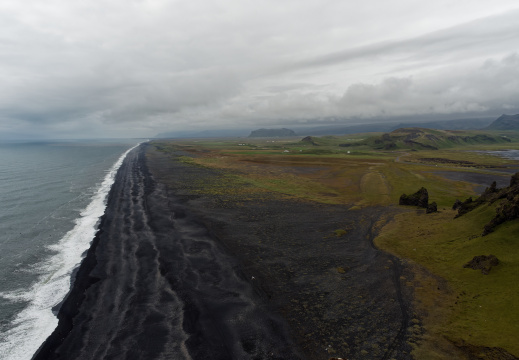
{"x": 52, "y": 195}
{"x": 509, "y": 154}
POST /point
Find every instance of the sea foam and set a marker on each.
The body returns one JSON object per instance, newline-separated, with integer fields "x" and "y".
{"x": 36, "y": 322}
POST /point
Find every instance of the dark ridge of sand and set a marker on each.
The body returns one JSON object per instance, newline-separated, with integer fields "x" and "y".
{"x": 156, "y": 285}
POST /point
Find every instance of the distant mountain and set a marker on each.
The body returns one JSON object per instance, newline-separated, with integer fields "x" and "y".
{"x": 457, "y": 124}
{"x": 344, "y": 129}
{"x": 203, "y": 134}
{"x": 430, "y": 139}
{"x": 272, "y": 133}
{"x": 341, "y": 127}
{"x": 505, "y": 122}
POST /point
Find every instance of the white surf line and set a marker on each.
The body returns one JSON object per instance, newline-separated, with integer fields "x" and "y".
{"x": 34, "y": 324}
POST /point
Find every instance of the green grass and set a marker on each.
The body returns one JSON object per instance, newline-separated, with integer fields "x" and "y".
{"x": 481, "y": 309}
{"x": 424, "y": 139}
{"x": 345, "y": 178}
{"x": 340, "y": 232}
{"x": 290, "y": 186}
{"x": 407, "y": 179}
{"x": 472, "y": 307}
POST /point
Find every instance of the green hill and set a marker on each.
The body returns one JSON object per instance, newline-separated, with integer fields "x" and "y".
{"x": 474, "y": 256}
{"x": 428, "y": 139}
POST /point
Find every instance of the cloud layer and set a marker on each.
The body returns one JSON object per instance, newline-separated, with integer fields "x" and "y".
{"x": 136, "y": 68}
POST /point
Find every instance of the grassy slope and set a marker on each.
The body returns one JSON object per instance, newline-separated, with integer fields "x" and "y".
{"x": 469, "y": 307}
{"x": 478, "y": 309}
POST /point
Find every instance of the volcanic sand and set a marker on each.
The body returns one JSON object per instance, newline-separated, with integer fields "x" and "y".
{"x": 340, "y": 296}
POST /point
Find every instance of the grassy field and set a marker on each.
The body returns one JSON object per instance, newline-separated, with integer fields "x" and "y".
{"x": 457, "y": 305}
{"x": 360, "y": 179}
{"x": 474, "y": 308}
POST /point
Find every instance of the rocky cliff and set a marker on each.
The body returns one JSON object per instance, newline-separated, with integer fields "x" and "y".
{"x": 507, "y": 200}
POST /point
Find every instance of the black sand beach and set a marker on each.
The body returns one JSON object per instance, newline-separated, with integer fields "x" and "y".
{"x": 173, "y": 274}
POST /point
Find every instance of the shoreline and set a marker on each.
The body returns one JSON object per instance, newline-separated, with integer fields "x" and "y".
{"x": 86, "y": 258}
{"x": 327, "y": 295}
{"x": 233, "y": 275}
{"x": 68, "y": 308}
{"x": 154, "y": 285}
{"x": 81, "y": 277}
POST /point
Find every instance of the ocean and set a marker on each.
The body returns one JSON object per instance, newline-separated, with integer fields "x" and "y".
{"x": 51, "y": 197}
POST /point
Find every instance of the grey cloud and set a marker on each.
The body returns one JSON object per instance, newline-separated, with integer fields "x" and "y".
{"x": 492, "y": 87}
{"x": 474, "y": 38}
{"x": 142, "y": 67}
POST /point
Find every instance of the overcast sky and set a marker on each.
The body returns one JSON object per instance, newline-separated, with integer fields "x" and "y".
{"x": 132, "y": 68}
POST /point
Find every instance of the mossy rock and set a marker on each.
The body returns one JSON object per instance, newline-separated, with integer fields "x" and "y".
{"x": 419, "y": 198}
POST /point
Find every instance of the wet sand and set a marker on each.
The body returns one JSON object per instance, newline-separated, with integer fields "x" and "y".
{"x": 173, "y": 274}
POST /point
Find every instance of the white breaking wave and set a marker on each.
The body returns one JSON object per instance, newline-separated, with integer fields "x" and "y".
{"x": 33, "y": 325}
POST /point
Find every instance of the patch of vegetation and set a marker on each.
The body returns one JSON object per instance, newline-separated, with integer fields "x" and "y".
{"x": 318, "y": 151}
{"x": 428, "y": 139}
{"x": 362, "y": 178}
{"x": 342, "y": 270}
{"x": 340, "y": 232}
{"x": 475, "y": 309}
{"x": 456, "y": 303}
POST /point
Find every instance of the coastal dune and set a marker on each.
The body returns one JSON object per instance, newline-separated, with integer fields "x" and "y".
{"x": 156, "y": 285}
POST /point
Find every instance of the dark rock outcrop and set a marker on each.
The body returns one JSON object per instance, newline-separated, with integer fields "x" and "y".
{"x": 416, "y": 144}
{"x": 457, "y": 205}
{"x": 508, "y": 208}
{"x": 309, "y": 140}
{"x": 464, "y": 207}
{"x": 490, "y": 195}
{"x": 492, "y": 188}
{"x": 419, "y": 198}
{"x": 390, "y": 146}
{"x": 514, "y": 181}
{"x": 431, "y": 208}
{"x": 483, "y": 263}
{"x": 507, "y": 211}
